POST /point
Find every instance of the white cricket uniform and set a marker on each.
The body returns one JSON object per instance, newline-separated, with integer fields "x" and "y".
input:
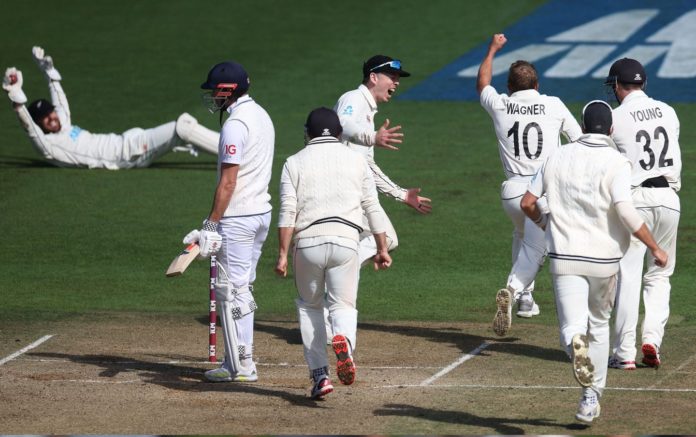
{"x": 73, "y": 146}
{"x": 247, "y": 138}
{"x": 325, "y": 189}
{"x": 586, "y": 238}
{"x": 647, "y": 133}
{"x": 528, "y": 127}
{"x": 356, "y": 110}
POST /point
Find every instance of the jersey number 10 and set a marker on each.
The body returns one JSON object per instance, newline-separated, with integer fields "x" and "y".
{"x": 515, "y": 132}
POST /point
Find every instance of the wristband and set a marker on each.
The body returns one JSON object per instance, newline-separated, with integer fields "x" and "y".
{"x": 210, "y": 226}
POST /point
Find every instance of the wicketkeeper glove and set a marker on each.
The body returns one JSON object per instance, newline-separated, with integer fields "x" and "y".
{"x": 45, "y": 63}
{"x": 12, "y": 83}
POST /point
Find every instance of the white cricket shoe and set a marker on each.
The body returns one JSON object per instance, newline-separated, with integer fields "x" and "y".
{"x": 588, "y": 408}
{"x": 321, "y": 388}
{"x": 526, "y": 307}
{"x": 617, "y": 363}
{"x": 503, "y": 316}
{"x": 221, "y": 374}
{"x": 583, "y": 369}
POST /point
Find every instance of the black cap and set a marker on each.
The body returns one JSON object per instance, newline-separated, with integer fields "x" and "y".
{"x": 323, "y": 122}
{"x": 626, "y": 70}
{"x": 228, "y": 73}
{"x": 38, "y": 109}
{"x": 596, "y": 117}
{"x": 383, "y": 64}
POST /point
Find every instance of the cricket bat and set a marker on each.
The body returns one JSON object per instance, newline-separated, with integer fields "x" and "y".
{"x": 182, "y": 261}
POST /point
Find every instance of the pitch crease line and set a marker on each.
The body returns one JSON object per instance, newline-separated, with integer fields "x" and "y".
{"x": 538, "y": 387}
{"x": 454, "y": 365}
{"x": 25, "y": 349}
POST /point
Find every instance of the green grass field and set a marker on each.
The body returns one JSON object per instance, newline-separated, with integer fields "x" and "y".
{"x": 77, "y": 242}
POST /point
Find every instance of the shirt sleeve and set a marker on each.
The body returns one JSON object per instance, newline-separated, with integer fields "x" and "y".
{"x": 36, "y": 135}
{"x": 621, "y": 185}
{"x": 569, "y": 127}
{"x": 353, "y": 130}
{"x": 233, "y": 139}
{"x": 370, "y": 203}
{"x": 488, "y": 98}
{"x": 288, "y": 199}
{"x": 385, "y": 185}
{"x": 536, "y": 185}
{"x": 60, "y": 101}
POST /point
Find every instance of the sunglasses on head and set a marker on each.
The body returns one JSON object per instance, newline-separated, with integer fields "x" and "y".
{"x": 396, "y": 64}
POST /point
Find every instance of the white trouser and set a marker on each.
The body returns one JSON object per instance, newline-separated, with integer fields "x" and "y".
{"x": 663, "y": 222}
{"x": 331, "y": 269}
{"x": 368, "y": 245}
{"x": 142, "y": 146}
{"x": 242, "y": 241}
{"x": 584, "y": 305}
{"x": 528, "y": 241}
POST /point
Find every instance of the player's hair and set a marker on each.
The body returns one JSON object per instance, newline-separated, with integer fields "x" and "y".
{"x": 522, "y": 76}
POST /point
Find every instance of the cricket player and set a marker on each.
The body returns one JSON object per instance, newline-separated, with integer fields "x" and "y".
{"x": 50, "y": 129}
{"x": 357, "y": 109}
{"x": 588, "y": 230}
{"x": 646, "y": 131}
{"x": 324, "y": 191}
{"x": 238, "y": 223}
{"x": 528, "y": 127}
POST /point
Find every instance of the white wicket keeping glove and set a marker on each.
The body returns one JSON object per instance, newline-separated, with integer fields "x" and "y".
{"x": 45, "y": 63}
{"x": 12, "y": 83}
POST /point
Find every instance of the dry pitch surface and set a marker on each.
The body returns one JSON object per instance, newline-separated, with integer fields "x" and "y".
{"x": 133, "y": 374}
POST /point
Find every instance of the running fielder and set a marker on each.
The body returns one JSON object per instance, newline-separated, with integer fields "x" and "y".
{"x": 50, "y": 129}
{"x": 647, "y": 133}
{"x": 527, "y": 126}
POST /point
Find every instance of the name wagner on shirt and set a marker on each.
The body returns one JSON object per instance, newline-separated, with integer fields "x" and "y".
{"x": 517, "y": 109}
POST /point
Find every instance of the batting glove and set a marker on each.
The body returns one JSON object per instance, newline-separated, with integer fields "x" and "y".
{"x": 45, "y": 63}
{"x": 209, "y": 240}
{"x": 12, "y": 83}
{"x": 192, "y": 237}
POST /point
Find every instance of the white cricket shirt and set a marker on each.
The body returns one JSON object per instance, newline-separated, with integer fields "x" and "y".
{"x": 528, "y": 126}
{"x": 647, "y": 133}
{"x": 247, "y": 138}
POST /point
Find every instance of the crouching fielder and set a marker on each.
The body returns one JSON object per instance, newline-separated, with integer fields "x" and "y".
{"x": 324, "y": 190}
{"x": 587, "y": 184}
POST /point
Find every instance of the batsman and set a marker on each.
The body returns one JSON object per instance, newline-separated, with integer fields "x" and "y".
{"x": 237, "y": 225}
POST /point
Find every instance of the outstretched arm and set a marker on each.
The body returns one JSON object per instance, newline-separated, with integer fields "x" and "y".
{"x": 58, "y": 97}
{"x": 485, "y": 73}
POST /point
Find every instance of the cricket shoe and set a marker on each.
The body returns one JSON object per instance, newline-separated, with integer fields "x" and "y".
{"x": 616, "y": 363}
{"x": 583, "y": 369}
{"x": 651, "y": 355}
{"x": 345, "y": 367}
{"x": 588, "y": 408}
{"x": 526, "y": 307}
{"x": 321, "y": 388}
{"x": 221, "y": 374}
{"x": 503, "y": 317}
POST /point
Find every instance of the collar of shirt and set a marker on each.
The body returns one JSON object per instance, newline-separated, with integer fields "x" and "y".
{"x": 525, "y": 94}
{"x": 368, "y": 96}
{"x": 597, "y": 140}
{"x": 637, "y": 94}
{"x": 245, "y": 98}
{"x": 322, "y": 139}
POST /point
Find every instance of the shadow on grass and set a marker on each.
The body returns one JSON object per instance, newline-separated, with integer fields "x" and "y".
{"x": 177, "y": 376}
{"x": 207, "y": 165}
{"x": 500, "y": 425}
{"x": 20, "y": 162}
{"x": 468, "y": 342}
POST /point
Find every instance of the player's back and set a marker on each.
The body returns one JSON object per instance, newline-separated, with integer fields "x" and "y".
{"x": 528, "y": 126}
{"x": 647, "y": 132}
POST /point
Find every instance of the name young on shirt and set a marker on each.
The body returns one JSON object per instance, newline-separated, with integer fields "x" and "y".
{"x": 646, "y": 114}
{"x": 517, "y": 109}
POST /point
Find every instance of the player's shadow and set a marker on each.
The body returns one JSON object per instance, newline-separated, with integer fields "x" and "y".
{"x": 500, "y": 425}
{"x": 206, "y": 165}
{"x": 21, "y": 162}
{"x": 468, "y": 342}
{"x": 176, "y": 376}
